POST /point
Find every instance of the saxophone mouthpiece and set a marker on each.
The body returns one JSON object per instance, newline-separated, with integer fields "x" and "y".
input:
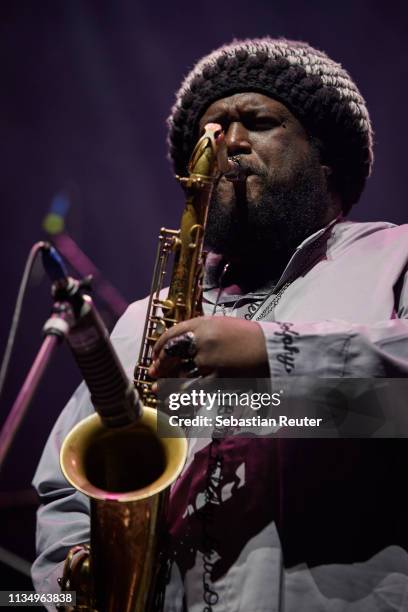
{"x": 216, "y": 129}
{"x": 235, "y": 171}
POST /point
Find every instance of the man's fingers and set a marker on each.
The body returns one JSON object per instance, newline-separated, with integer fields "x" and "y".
{"x": 176, "y": 330}
{"x": 164, "y": 366}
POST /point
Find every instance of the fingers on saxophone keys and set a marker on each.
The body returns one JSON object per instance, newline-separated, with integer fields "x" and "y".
{"x": 164, "y": 366}
{"x": 153, "y": 369}
{"x": 157, "y": 349}
{"x": 159, "y": 387}
{"x": 177, "y": 330}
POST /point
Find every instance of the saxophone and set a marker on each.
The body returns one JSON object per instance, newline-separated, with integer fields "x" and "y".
{"x": 127, "y": 473}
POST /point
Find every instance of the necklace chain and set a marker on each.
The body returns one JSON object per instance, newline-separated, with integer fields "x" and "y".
{"x": 271, "y": 306}
{"x": 276, "y": 299}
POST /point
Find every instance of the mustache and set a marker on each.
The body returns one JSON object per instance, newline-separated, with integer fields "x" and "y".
{"x": 246, "y": 167}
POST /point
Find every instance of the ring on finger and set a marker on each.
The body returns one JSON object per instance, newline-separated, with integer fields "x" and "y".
{"x": 183, "y": 346}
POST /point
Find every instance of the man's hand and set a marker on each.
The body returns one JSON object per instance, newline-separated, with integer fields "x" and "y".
{"x": 225, "y": 346}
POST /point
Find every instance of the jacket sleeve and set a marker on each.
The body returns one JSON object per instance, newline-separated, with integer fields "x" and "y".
{"x": 63, "y": 517}
{"x": 335, "y": 349}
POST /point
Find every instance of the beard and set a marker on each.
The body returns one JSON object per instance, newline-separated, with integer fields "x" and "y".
{"x": 270, "y": 213}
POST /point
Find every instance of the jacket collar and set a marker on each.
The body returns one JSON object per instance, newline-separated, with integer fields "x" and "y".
{"x": 306, "y": 255}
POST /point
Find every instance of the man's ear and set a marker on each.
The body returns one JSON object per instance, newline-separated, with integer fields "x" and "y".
{"x": 330, "y": 178}
{"x": 327, "y": 171}
{"x": 336, "y": 201}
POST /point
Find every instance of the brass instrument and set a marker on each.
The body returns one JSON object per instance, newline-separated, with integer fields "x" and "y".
{"x": 184, "y": 297}
{"x": 127, "y": 473}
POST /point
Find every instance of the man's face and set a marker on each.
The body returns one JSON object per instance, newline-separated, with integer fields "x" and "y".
{"x": 285, "y": 195}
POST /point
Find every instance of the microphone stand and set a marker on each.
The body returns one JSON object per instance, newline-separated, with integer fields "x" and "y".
{"x": 55, "y": 330}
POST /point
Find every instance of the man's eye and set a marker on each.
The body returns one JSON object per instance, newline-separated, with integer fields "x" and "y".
{"x": 265, "y": 123}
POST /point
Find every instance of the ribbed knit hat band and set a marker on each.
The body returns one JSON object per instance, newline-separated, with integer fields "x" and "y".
{"x": 313, "y": 87}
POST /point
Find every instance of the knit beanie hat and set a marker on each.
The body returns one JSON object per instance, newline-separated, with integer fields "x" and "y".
{"x": 312, "y": 86}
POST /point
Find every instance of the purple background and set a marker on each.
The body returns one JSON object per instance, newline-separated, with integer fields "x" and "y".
{"x": 85, "y": 91}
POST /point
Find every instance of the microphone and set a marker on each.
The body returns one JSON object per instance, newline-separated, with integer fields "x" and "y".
{"x": 53, "y": 263}
{"x": 112, "y": 394}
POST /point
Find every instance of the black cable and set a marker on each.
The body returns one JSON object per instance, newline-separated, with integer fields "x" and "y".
{"x": 35, "y": 249}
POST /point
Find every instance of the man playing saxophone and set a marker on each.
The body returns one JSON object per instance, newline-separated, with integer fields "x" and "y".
{"x": 273, "y": 524}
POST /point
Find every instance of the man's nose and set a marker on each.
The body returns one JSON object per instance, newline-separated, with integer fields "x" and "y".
{"x": 237, "y": 139}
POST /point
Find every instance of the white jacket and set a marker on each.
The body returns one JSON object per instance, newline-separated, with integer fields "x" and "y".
{"x": 347, "y": 303}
